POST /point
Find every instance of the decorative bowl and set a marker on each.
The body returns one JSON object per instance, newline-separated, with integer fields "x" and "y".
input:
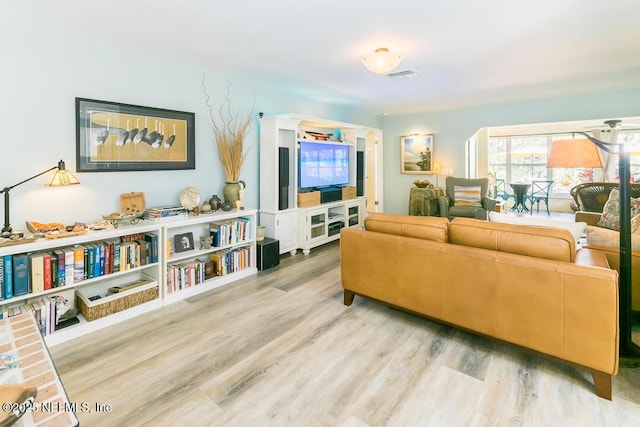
{"x": 421, "y": 183}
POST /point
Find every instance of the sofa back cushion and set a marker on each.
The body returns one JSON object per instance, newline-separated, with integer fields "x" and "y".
{"x": 540, "y": 242}
{"x": 421, "y": 227}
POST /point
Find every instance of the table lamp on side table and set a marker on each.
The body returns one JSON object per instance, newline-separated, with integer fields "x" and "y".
{"x": 437, "y": 170}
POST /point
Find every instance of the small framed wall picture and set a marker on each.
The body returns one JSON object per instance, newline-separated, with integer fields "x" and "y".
{"x": 183, "y": 242}
{"x": 416, "y": 154}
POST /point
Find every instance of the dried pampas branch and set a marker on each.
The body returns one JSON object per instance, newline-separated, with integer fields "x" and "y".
{"x": 230, "y": 134}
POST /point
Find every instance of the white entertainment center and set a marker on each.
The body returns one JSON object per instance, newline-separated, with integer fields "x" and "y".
{"x": 302, "y": 217}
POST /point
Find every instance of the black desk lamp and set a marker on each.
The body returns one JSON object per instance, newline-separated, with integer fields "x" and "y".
{"x": 62, "y": 177}
{"x": 629, "y": 352}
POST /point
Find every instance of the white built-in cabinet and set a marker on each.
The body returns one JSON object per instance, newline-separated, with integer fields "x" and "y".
{"x": 304, "y": 227}
{"x": 322, "y": 224}
{"x": 239, "y": 251}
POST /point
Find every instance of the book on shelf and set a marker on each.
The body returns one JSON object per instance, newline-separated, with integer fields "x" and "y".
{"x": 37, "y": 272}
{"x": 21, "y": 285}
{"x": 8, "y": 277}
{"x": 1, "y": 277}
{"x": 116, "y": 255}
{"x": 60, "y": 268}
{"x": 46, "y": 271}
{"x": 78, "y": 263}
{"x": 90, "y": 264}
{"x": 152, "y": 238}
{"x": 165, "y": 212}
{"x": 69, "y": 266}
{"x": 99, "y": 260}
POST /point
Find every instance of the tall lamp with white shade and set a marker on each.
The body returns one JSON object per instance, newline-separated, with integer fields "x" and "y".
{"x": 584, "y": 153}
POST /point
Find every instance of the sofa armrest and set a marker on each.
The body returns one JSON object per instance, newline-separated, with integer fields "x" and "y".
{"x": 443, "y": 204}
{"x": 591, "y": 218}
{"x": 613, "y": 258}
{"x": 592, "y": 256}
{"x": 489, "y": 204}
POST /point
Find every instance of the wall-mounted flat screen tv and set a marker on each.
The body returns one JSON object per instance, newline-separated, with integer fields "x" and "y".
{"x": 323, "y": 164}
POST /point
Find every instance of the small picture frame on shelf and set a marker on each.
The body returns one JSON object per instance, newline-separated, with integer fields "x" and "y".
{"x": 183, "y": 242}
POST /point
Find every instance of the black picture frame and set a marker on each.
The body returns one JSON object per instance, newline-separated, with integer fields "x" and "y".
{"x": 183, "y": 242}
{"x": 115, "y": 137}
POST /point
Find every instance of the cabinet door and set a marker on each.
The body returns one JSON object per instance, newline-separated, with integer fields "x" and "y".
{"x": 286, "y": 231}
{"x": 317, "y": 222}
{"x": 354, "y": 214}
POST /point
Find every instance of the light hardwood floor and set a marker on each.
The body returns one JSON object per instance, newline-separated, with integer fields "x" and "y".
{"x": 280, "y": 349}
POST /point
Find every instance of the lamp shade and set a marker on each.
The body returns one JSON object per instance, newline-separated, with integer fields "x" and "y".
{"x": 381, "y": 61}
{"x": 574, "y": 153}
{"x": 437, "y": 169}
{"x": 62, "y": 177}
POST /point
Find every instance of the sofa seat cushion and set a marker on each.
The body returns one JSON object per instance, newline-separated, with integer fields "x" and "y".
{"x": 464, "y": 211}
{"x": 421, "y": 227}
{"x": 541, "y": 242}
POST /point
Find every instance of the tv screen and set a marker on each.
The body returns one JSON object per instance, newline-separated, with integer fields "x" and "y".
{"x": 323, "y": 164}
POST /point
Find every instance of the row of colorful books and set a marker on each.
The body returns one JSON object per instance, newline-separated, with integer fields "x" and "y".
{"x": 229, "y": 232}
{"x": 25, "y": 273}
{"x": 43, "y": 309}
{"x": 229, "y": 261}
{"x": 185, "y": 275}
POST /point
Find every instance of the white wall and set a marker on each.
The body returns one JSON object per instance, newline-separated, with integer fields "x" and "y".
{"x": 454, "y": 127}
{"x": 42, "y": 74}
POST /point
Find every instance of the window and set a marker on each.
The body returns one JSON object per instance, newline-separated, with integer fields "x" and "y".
{"x": 523, "y": 158}
{"x": 632, "y": 145}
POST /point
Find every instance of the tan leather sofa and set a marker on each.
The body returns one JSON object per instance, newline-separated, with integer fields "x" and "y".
{"x": 608, "y": 241}
{"x": 526, "y": 285}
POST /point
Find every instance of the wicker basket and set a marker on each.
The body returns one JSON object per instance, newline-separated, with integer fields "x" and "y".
{"x": 348, "y": 193}
{"x": 312, "y": 198}
{"x": 110, "y": 303}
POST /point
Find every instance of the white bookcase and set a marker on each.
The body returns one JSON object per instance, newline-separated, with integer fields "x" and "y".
{"x": 165, "y": 231}
{"x": 200, "y": 226}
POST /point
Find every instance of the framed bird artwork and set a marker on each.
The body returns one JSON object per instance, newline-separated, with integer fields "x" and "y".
{"x": 121, "y": 137}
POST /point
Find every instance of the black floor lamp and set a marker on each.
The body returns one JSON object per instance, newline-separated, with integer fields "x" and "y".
{"x": 62, "y": 177}
{"x": 567, "y": 156}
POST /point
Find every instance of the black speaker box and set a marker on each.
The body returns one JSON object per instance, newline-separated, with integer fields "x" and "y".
{"x": 268, "y": 253}
{"x": 330, "y": 195}
{"x": 283, "y": 178}
{"x": 360, "y": 173}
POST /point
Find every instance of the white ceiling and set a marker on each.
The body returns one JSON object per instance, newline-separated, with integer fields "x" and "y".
{"x": 468, "y": 52}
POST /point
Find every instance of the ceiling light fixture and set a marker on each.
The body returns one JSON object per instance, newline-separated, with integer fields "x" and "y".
{"x": 381, "y": 61}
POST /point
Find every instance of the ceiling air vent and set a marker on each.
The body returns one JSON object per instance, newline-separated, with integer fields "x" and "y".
{"x": 404, "y": 74}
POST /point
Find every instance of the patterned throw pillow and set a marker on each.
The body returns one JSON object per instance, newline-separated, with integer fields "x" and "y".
{"x": 635, "y": 225}
{"x": 610, "y": 217}
{"x": 466, "y": 196}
